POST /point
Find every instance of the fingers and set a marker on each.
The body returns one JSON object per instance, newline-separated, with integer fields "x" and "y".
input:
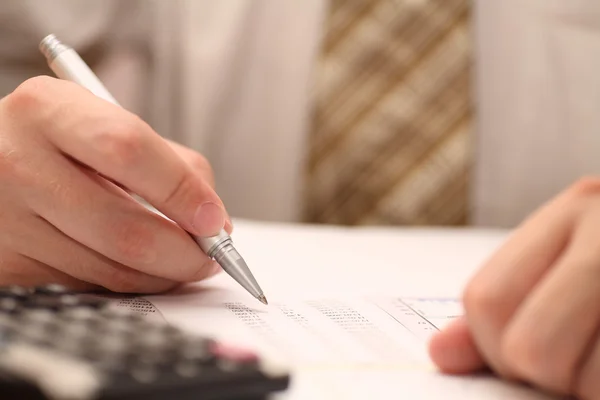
{"x": 95, "y": 213}
{"x": 196, "y": 161}
{"x": 66, "y": 256}
{"x": 59, "y": 259}
{"x": 548, "y": 337}
{"x": 121, "y": 147}
{"x": 72, "y": 258}
{"x": 497, "y": 290}
{"x": 16, "y": 269}
{"x": 199, "y": 166}
{"x": 587, "y": 384}
{"x": 532, "y": 312}
{"x": 454, "y": 351}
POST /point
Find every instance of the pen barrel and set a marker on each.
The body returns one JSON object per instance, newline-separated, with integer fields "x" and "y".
{"x": 69, "y": 66}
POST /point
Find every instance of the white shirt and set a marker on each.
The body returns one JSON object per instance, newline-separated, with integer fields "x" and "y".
{"x": 228, "y": 78}
{"x": 232, "y": 79}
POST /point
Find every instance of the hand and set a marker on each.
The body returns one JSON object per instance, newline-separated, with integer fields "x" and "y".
{"x": 532, "y": 313}
{"x": 67, "y": 162}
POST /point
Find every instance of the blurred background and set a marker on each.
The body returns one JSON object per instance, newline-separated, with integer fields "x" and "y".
{"x": 356, "y": 112}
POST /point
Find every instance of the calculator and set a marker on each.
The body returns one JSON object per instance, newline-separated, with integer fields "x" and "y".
{"x": 57, "y": 344}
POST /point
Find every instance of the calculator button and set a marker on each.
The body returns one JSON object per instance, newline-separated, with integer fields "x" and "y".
{"x": 39, "y": 316}
{"x": 115, "y": 327}
{"x": 169, "y": 331}
{"x": 80, "y": 314}
{"x": 57, "y": 302}
{"x": 108, "y": 363}
{"x": 9, "y": 305}
{"x": 233, "y": 353}
{"x": 43, "y": 301}
{"x": 228, "y": 365}
{"x": 36, "y": 333}
{"x": 74, "y": 330}
{"x": 152, "y": 358}
{"x": 110, "y": 353}
{"x": 197, "y": 350}
{"x": 187, "y": 369}
{"x": 84, "y": 300}
{"x": 144, "y": 373}
{"x": 72, "y": 345}
{"x": 78, "y": 333}
{"x": 113, "y": 312}
{"x": 52, "y": 289}
{"x": 144, "y": 326}
{"x": 5, "y": 336}
{"x": 69, "y": 300}
{"x": 151, "y": 340}
{"x": 6, "y": 320}
{"x": 113, "y": 345}
{"x": 14, "y": 292}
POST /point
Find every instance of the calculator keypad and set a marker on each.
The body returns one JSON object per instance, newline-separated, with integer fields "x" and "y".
{"x": 129, "y": 352}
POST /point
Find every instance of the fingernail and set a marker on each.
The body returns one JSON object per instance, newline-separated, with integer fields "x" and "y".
{"x": 209, "y": 219}
{"x": 453, "y": 349}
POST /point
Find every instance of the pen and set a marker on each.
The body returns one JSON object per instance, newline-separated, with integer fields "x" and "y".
{"x": 68, "y": 65}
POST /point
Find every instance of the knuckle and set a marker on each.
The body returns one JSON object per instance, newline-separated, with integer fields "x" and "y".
{"x": 122, "y": 141}
{"x": 200, "y": 164}
{"x": 182, "y": 190}
{"x": 134, "y": 243}
{"x": 28, "y": 95}
{"x": 480, "y": 298}
{"x": 585, "y": 186}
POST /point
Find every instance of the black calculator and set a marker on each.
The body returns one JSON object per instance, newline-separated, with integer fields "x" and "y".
{"x": 56, "y": 344}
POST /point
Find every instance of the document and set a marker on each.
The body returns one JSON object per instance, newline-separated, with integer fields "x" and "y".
{"x": 349, "y": 322}
{"x": 339, "y": 347}
{"x": 325, "y": 332}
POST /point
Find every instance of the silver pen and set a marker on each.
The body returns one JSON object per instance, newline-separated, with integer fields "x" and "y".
{"x": 68, "y": 65}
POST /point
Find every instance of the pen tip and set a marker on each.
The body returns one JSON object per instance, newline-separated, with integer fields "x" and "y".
{"x": 263, "y": 299}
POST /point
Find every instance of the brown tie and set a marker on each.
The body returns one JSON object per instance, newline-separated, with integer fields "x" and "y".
{"x": 391, "y": 131}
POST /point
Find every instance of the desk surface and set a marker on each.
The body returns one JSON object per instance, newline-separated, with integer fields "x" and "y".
{"x": 411, "y": 262}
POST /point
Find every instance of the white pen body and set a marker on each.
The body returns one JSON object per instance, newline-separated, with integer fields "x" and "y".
{"x": 69, "y": 66}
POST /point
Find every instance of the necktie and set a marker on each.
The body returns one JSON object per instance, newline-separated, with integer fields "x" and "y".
{"x": 391, "y": 123}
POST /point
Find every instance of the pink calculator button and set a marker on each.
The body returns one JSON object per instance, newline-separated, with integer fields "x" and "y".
{"x": 233, "y": 353}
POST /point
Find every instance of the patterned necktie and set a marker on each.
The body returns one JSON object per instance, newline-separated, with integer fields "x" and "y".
{"x": 390, "y": 141}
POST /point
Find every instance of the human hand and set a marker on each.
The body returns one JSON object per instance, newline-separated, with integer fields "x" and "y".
{"x": 67, "y": 162}
{"x": 532, "y": 313}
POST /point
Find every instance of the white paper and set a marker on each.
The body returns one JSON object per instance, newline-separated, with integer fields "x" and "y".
{"x": 351, "y": 310}
{"x": 326, "y": 332}
{"x": 337, "y": 347}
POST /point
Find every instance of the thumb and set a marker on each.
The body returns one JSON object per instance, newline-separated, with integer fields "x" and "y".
{"x": 453, "y": 349}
